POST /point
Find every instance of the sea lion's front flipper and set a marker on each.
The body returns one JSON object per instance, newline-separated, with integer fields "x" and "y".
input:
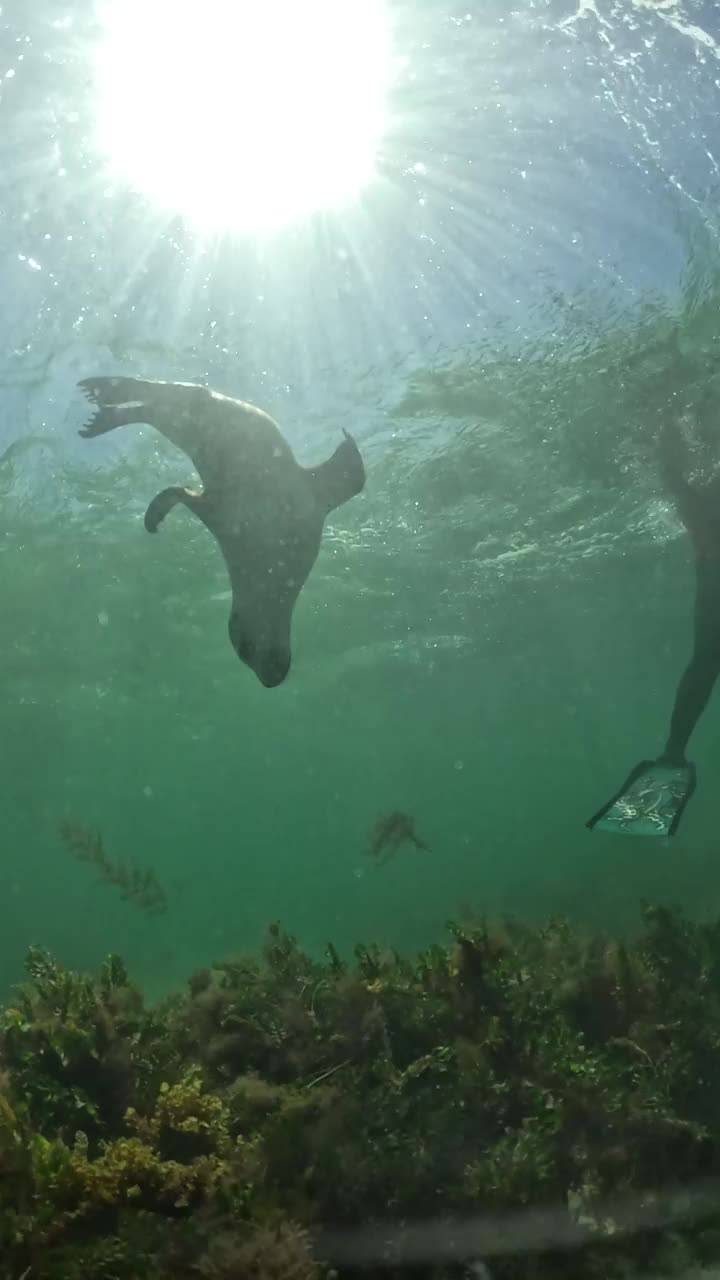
{"x": 340, "y": 478}
{"x": 164, "y": 502}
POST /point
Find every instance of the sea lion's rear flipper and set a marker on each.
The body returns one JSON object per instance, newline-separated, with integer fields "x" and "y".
{"x": 650, "y": 802}
{"x": 164, "y": 502}
{"x": 340, "y": 478}
{"x": 119, "y": 402}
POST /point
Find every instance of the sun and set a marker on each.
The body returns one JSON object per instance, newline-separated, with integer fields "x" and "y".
{"x": 242, "y": 115}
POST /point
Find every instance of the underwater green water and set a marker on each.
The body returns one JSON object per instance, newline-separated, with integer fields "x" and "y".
{"x": 493, "y": 631}
{"x": 504, "y": 317}
{"x": 495, "y": 696}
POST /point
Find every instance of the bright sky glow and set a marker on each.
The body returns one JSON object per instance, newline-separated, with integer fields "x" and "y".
{"x": 243, "y": 114}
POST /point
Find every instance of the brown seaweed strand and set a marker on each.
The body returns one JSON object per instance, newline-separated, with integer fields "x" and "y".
{"x": 137, "y": 885}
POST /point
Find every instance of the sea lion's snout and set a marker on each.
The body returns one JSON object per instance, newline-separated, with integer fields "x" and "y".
{"x": 273, "y": 668}
{"x": 270, "y": 663}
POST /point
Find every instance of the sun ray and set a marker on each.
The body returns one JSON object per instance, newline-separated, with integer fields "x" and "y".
{"x": 241, "y": 116}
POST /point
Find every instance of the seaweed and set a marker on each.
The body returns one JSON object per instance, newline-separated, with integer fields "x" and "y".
{"x": 136, "y": 885}
{"x": 288, "y": 1116}
{"x": 389, "y": 832}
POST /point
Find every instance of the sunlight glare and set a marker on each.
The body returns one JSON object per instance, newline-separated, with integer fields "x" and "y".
{"x": 242, "y": 115}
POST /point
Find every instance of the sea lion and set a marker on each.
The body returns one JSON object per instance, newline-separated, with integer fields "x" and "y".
{"x": 265, "y": 510}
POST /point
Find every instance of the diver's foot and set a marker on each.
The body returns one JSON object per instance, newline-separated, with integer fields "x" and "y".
{"x": 674, "y": 759}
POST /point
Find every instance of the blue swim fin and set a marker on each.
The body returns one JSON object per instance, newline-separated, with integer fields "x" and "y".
{"x": 650, "y": 802}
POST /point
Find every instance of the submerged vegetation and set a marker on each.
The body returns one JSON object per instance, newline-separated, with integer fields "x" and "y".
{"x": 247, "y": 1128}
{"x": 389, "y": 833}
{"x": 136, "y": 885}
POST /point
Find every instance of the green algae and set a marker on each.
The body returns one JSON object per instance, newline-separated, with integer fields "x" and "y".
{"x": 247, "y": 1125}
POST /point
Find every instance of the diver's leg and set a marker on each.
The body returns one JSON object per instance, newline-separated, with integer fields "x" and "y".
{"x": 691, "y": 699}
{"x": 674, "y": 461}
{"x": 698, "y": 679}
{"x": 698, "y": 503}
{"x": 164, "y": 502}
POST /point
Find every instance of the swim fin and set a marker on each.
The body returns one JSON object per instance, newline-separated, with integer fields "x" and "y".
{"x": 650, "y": 802}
